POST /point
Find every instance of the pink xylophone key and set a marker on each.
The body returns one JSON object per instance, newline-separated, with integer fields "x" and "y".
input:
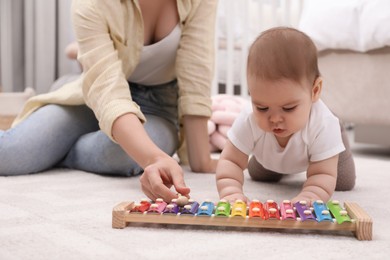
{"x": 287, "y": 210}
{"x": 157, "y": 207}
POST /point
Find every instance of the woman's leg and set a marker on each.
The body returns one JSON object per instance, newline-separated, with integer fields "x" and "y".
{"x": 259, "y": 173}
{"x": 95, "y": 152}
{"x": 43, "y": 139}
{"x": 346, "y": 174}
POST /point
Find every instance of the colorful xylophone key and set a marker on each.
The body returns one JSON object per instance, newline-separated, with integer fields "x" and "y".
{"x": 223, "y": 208}
{"x": 256, "y": 209}
{"x": 142, "y": 206}
{"x": 340, "y": 214}
{"x": 272, "y": 208}
{"x": 304, "y": 211}
{"x": 172, "y": 208}
{"x": 157, "y": 207}
{"x": 190, "y": 209}
{"x": 287, "y": 210}
{"x": 239, "y": 209}
{"x": 321, "y": 211}
{"x": 206, "y": 208}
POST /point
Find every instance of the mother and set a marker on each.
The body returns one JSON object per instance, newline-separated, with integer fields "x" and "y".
{"x": 147, "y": 69}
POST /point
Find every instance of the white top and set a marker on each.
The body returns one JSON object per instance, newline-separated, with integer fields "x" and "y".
{"x": 320, "y": 139}
{"x": 157, "y": 61}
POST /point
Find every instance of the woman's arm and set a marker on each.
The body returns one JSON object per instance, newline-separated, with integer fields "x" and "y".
{"x": 161, "y": 171}
{"x": 198, "y": 147}
{"x": 321, "y": 181}
{"x": 194, "y": 68}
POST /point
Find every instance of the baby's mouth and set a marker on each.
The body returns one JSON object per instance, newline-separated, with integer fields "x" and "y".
{"x": 278, "y": 130}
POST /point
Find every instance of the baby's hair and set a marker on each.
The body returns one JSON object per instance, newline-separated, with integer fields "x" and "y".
{"x": 283, "y": 53}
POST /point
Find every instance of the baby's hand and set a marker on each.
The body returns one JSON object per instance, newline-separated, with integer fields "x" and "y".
{"x": 309, "y": 201}
{"x": 236, "y": 196}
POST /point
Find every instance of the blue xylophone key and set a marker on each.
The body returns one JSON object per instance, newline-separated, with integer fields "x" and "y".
{"x": 206, "y": 208}
{"x": 321, "y": 211}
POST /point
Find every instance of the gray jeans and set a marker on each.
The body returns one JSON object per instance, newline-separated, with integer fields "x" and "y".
{"x": 69, "y": 136}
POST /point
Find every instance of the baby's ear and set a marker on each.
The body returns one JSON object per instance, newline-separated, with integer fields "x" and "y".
{"x": 316, "y": 89}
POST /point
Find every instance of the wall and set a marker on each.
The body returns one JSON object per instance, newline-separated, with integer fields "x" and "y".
{"x": 33, "y": 35}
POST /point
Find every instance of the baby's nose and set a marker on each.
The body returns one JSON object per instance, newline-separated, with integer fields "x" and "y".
{"x": 275, "y": 118}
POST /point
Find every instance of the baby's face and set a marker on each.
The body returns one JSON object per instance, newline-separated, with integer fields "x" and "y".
{"x": 280, "y": 107}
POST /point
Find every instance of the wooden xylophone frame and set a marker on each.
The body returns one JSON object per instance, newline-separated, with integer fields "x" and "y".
{"x": 361, "y": 225}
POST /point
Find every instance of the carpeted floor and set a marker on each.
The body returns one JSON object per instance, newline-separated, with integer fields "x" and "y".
{"x": 66, "y": 214}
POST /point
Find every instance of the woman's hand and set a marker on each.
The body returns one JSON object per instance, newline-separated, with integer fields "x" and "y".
{"x": 160, "y": 176}
{"x": 161, "y": 171}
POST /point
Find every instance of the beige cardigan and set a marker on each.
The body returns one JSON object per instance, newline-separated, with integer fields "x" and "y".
{"x": 110, "y": 38}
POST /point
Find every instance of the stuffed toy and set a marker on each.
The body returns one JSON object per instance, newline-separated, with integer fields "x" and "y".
{"x": 225, "y": 109}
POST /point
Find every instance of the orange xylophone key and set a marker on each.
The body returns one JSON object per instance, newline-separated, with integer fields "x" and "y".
{"x": 256, "y": 209}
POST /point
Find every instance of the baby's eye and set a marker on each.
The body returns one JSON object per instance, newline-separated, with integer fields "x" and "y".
{"x": 262, "y": 109}
{"x": 289, "y": 109}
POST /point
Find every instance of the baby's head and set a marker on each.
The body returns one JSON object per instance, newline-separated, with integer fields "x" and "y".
{"x": 283, "y": 81}
{"x": 283, "y": 53}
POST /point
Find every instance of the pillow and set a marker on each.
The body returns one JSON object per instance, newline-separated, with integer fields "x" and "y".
{"x": 359, "y": 25}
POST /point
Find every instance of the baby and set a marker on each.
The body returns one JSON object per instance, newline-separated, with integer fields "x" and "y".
{"x": 288, "y": 129}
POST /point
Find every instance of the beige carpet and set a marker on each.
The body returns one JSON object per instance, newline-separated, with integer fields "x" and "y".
{"x": 65, "y": 214}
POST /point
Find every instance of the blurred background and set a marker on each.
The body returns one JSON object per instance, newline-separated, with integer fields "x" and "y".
{"x": 352, "y": 37}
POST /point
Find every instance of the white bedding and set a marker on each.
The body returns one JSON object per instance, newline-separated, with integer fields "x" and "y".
{"x": 359, "y": 25}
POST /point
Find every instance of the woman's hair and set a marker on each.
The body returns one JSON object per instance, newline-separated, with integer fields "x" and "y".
{"x": 283, "y": 53}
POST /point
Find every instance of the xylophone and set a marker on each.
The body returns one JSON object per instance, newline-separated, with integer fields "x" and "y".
{"x": 330, "y": 216}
